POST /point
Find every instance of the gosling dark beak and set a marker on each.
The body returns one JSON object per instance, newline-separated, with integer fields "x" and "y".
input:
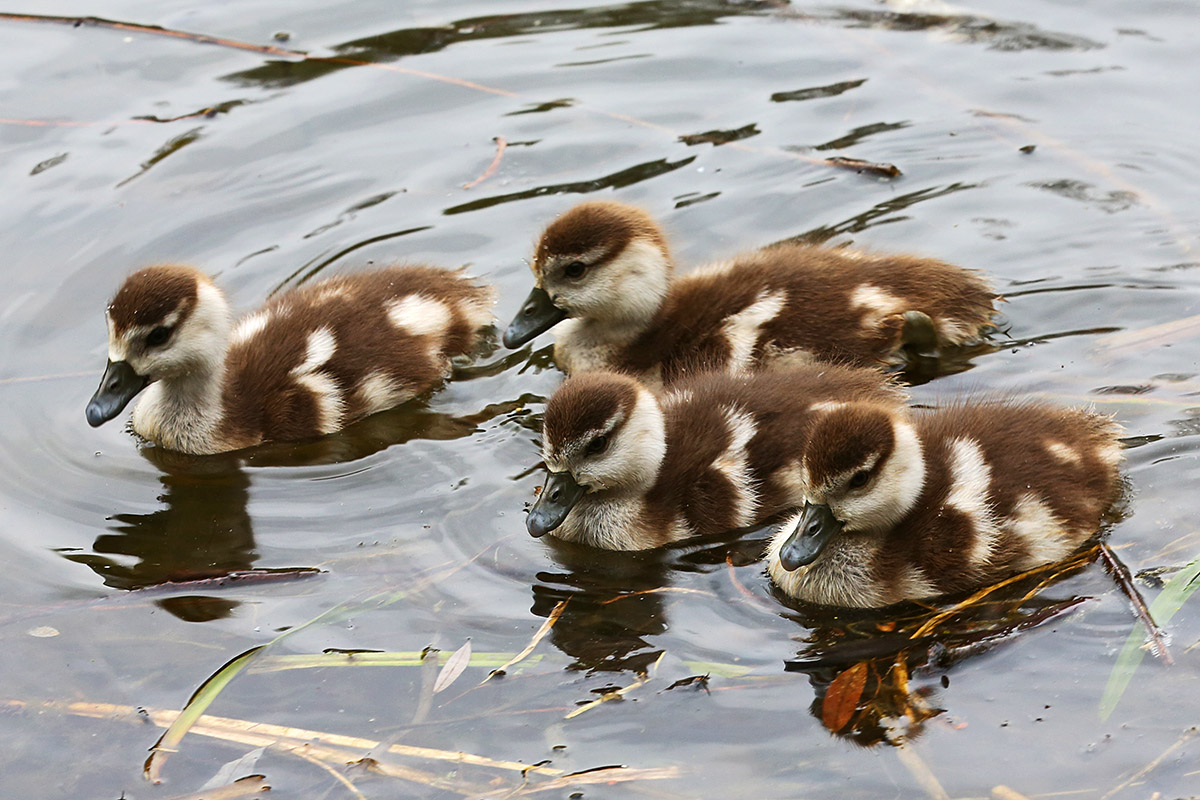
{"x": 118, "y": 386}
{"x": 558, "y": 497}
{"x": 817, "y": 526}
{"x": 538, "y": 314}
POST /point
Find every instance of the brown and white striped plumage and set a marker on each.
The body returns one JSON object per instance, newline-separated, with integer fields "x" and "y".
{"x": 627, "y": 313}
{"x": 938, "y": 502}
{"x": 713, "y": 453}
{"x": 309, "y": 362}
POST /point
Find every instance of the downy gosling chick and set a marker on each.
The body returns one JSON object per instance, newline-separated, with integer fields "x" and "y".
{"x": 901, "y": 505}
{"x": 604, "y": 280}
{"x": 630, "y": 470}
{"x": 309, "y": 362}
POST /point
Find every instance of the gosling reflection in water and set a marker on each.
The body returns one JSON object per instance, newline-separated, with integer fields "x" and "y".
{"x": 617, "y": 597}
{"x": 612, "y": 614}
{"x": 877, "y": 680}
{"x": 203, "y": 530}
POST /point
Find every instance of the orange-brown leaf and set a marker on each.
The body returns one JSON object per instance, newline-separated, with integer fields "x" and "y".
{"x": 842, "y": 696}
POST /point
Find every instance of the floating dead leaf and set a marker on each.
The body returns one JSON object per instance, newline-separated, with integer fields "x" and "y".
{"x": 1027, "y": 149}
{"x": 454, "y": 667}
{"x": 842, "y": 696}
{"x": 859, "y": 165}
{"x": 228, "y": 772}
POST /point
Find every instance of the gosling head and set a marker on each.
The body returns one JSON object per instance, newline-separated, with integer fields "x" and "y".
{"x": 863, "y": 470}
{"x": 602, "y": 433}
{"x": 604, "y": 262}
{"x": 164, "y": 322}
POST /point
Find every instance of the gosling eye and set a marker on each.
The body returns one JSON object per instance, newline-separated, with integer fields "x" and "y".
{"x": 574, "y": 270}
{"x": 158, "y": 336}
{"x": 859, "y": 479}
{"x": 597, "y": 446}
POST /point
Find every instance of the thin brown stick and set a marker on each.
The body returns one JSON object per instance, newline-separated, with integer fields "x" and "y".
{"x": 1002, "y": 792}
{"x": 501, "y": 144}
{"x": 734, "y": 580}
{"x": 937, "y": 619}
{"x": 1120, "y": 575}
{"x": 262, "y": 734}
{"x": 917, "y": 767}
{"x": 339, "y": 777}
{"x": 555, "y": 613}
{"x": 659, "y": 590}
{"x": 158, "y": 30}
{"x": 48, "y": 123}
{"x": 1146, "y": 770}
{"x": 155, "y": 30}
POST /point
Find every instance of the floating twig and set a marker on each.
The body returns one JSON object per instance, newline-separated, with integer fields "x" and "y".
{"x": 618, "y": 694}
{"x": 858, "y": 165}
{"x": 658, "y": 590}
{"x": 339, "y": 777}
{"x": 300, "y": 55}
{"x": 501, "y": 144}
{"x": 1120, "y": 575}
{"x": 917, "y": 767}
{"x": 1146, "y": 770}
{"x": 555, "y": 613}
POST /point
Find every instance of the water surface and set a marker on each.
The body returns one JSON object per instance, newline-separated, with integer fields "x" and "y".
{"x": 123, "y": 149}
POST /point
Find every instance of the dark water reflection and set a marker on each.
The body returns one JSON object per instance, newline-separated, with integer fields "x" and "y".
{"x": 123, "y": 149}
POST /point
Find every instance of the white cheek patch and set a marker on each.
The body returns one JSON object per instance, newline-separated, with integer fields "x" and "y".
{"x": 876, "y": 304}
{"x": 899, "y": 483}
{"x": 635, "y": 453}
{"x": 626, "y": 290}
{"x": 971, "y": 480}
{"x": 742, "y": 329}
{"x": 420, "y": 316}
{"x": 249, "y": 327}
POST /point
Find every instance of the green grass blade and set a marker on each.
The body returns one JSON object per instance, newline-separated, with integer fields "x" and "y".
{"x": 195, "y": 707}
{"x": 1170, "y": 600}
{"x": 208, "y": 691}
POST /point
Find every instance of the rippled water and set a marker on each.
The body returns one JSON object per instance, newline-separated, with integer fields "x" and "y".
{"x": 123, "y": 148}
